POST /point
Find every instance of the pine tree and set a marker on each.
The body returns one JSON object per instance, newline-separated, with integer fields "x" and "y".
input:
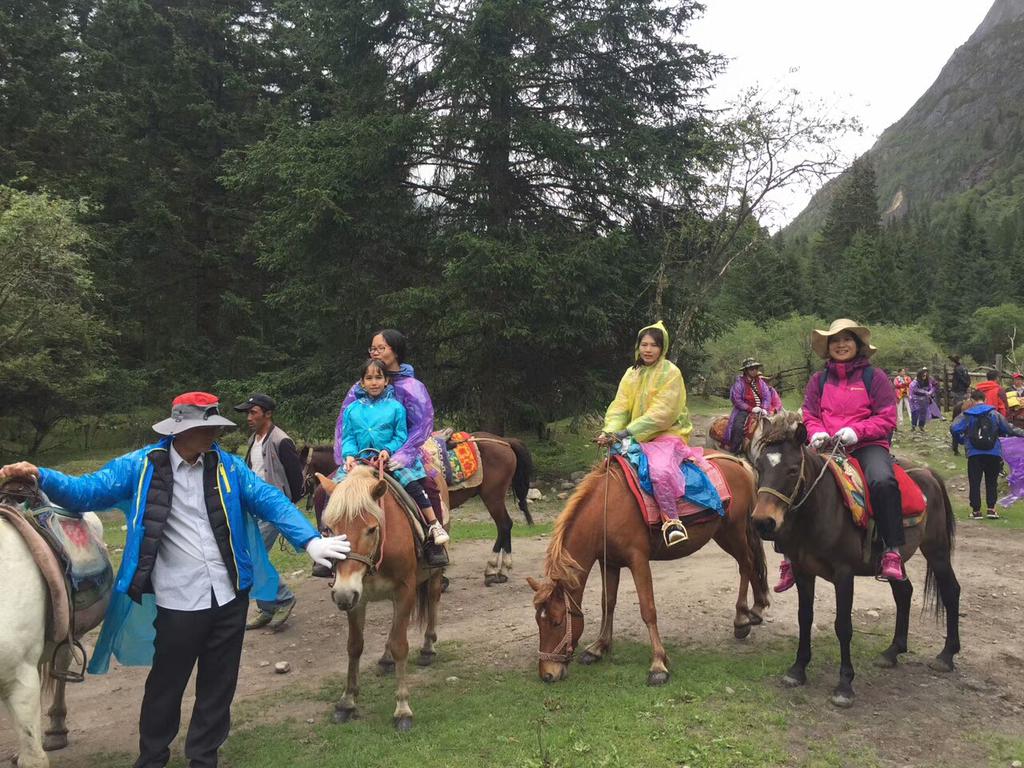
{"x": 854, "y": 209}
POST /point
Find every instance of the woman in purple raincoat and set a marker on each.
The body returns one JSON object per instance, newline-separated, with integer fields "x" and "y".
{"x": 751, "y": 395}
{"x": 923, "y": 408}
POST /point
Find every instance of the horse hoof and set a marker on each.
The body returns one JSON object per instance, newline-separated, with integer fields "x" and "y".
{"x": 589, "y": 658}
{"x": 500, "y": 578}
{"x": 425, "y": 659}
{"x": 791, "y": 680}
{"x": 491, "y": 579}
{"x": 386, "y": 667}
{"x": 755, "y": 618}
{"x": 657, "y": 678}
{"x": 55, "y": 741}
{"x": 885, "y": 661}
{"x": 344, "y": 715}
{"x": 741, "y": 631}
{"x": 403, "y": 724}
{"x": 445, "y": 582}
{"x": 941, "y": 664}
{"x": 842, "y": 700}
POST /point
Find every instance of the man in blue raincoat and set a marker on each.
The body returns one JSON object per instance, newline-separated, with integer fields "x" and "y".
{"x": 192, "y": 559}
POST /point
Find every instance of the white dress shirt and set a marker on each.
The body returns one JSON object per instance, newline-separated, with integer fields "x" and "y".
{"x": 256, "y": 458}
{"x": 188, "y": 563}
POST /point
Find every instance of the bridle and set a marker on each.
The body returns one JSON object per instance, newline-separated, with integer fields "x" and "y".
{"x": 376, "y": 557}
{"x": 572, "y": 608}
{"x": 788, "y": 500}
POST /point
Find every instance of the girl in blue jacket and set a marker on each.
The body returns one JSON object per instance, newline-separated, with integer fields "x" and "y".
{"x": 979, "y": 429}
{"x": 376, "y": 421}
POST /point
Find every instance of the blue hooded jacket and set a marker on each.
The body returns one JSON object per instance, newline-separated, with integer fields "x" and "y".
{"x": 378, "y": 423}
{"x": 961, "y": 428}
{"x": 128, "y": 631}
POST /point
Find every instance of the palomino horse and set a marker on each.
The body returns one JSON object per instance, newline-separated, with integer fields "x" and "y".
{"x": 602, "y": 523}
{"x": 28, "y": 662}
{"x": 506, "y": 464}
{"x": 801, "y": 508}
{"x": 382, "y": 565}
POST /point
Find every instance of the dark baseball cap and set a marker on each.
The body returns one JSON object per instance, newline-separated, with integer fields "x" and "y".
{"x": 266, "y": 402}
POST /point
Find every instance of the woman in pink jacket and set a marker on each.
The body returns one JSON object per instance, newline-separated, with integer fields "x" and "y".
{"x": 854, "y": 403}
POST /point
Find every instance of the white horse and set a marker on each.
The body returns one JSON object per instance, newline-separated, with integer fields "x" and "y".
{"x": 24, "y": 653}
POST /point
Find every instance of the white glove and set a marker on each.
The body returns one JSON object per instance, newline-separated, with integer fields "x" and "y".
{"x": 758, "y": 411}
{"x": 847, "y": 436}
{"x": 818, "y": 439}
{"x": 326, "y": 548}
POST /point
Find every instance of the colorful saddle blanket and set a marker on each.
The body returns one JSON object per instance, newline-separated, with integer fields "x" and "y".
{"x": 457, "y": 456}
{"x": 697, "y": 478}
{"x": 850, "y": 478}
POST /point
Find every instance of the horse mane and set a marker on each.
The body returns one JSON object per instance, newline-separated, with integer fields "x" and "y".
{"x": 780, "y": 428}
{"x": 352, "y": 497}
{"x": 559, "y": 565}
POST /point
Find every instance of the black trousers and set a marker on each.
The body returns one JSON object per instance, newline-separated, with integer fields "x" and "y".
{"x": 213, "y": 639}
{"x": 989, "y": 467}
{"x": 884, "y": 491}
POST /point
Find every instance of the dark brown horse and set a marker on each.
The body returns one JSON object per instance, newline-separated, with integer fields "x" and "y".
{"x": 799, "y": 506}
{"x": 603, "y": 523}
{"x": 383, "y": 565}
{"x": 506, "y": 464}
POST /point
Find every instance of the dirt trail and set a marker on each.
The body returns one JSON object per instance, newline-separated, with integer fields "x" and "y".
{"x": 103, "y": 712}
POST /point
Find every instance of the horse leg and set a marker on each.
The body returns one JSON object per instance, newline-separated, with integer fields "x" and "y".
{"x": 610, "y": 581}
{"x": 56, "y": 735}
{"x": 386, "y": 663}
{"x": 345, "y": 709}
{"x": 505, "y": 567}
{"x": 641, "y": 569}
{"x": 902, "y": 591}
{"x": 398, "y": 645}
{"x": 744, "y": 619}
{"x": 22, "y": 699}
{"x": 949, "y": 593}
{"x": 842, "y": 694}
{"x": 501, "y": 562}
{"x": 797, "y": 674}
{"x": 434, "y": 587}
{"x": 491, "y": 571}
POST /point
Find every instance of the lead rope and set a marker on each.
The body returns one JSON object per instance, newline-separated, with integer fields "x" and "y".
{"x": 604, "y": 581}
{"x": 836, "y": 450}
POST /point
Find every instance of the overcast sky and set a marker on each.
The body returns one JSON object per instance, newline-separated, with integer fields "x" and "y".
{"x": 874, "y": 58}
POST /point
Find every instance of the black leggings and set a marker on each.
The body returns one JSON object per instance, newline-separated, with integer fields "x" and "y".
{"x": 415, "y": 489}
{"x": 884, "y": 491}
{"x": 989, "y": 467}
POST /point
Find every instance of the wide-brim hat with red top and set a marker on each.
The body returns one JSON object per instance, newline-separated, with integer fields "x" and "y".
{"x": 819, "y": 338}
{"x": 191, "y": 410}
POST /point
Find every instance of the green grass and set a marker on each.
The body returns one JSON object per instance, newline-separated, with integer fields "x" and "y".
{"x": 716, "y": 711}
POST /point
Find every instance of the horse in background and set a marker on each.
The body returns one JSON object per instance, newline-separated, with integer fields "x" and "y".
{"x": 750, "y": 447}
{"x": 29, "y": 663}
{"x": 603, "y": 504}
{"x": 383, "y": 565}
{"x": 801, "y": 508}
{"x": 506, "y": 464}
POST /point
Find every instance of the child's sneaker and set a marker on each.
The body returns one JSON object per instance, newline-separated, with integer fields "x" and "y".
{"x": 892, "y": 567}
{"x": 786, "y": 577}
{"x": 438, "y": 534}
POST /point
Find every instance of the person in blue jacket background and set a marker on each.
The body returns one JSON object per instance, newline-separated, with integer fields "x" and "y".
{"x": 984, "y": 452}
{"x": 192, "y": 559}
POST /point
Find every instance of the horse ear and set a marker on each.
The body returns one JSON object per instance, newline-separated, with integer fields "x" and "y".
{"x": 326, "y": 483}
{"x": 534, "y": 584}
{"x": 800, "y": 433}
{"x": 379, "y": 490}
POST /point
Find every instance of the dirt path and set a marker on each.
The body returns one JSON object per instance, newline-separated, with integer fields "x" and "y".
{"x": 695, "y": 598}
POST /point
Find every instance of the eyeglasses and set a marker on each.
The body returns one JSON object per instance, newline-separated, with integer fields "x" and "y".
{"x": 379, "y": 349}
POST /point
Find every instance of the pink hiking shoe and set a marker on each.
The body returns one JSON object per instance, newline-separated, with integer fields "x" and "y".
{"x": 892, "y": 567}
{"x": 786, "y": 578}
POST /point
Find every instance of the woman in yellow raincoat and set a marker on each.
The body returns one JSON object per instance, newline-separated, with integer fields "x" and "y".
{"x": 650, "y": 408}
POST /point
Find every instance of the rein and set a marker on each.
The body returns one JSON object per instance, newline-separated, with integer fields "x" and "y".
{"x": 572, "y": 608}
{"x": 374, "y": 560}
{"x": 788, "y": 500}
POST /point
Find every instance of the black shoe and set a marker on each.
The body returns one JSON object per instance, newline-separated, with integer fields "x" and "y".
{"x": 435, "y": 555}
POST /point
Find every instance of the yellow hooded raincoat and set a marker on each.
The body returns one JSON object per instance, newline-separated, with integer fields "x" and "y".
{"x": 651, "y": 400}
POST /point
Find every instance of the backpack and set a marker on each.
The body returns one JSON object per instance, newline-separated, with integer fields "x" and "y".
{"x": 867, "y": 377}
{"x": 983, "y": 432}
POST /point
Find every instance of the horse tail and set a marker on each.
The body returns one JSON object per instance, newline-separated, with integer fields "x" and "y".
{"x": 422, "y": 607}
{"x": 521, "y": 478}
{"x": 757, "y": 553}
{"x": 931, "y": 590}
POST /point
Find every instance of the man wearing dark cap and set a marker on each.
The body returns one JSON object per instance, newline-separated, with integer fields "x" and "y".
{"x": 192, "y": 558}
{"x": 272, "y": 456}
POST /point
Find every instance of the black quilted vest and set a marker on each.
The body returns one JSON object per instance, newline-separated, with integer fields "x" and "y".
{"x": 157, "y": 510}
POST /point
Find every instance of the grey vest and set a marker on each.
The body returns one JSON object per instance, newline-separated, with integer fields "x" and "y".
{"x": 272, "y": 467}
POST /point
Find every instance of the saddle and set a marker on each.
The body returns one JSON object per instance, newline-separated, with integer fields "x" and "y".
{"x": 456, "y": 455}
{"x": 689, "y": 513}
{"x": 418, "y": 525}
{"x": 850, "y": 478}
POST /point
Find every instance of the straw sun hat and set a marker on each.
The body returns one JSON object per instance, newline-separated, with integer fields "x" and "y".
{"x": 819, "y": 338}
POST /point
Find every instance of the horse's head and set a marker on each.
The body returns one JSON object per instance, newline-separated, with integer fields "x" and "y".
{"x": 560, "y": 621}
{"x": 353, "y": 509}
{"x": 779, "y": 466}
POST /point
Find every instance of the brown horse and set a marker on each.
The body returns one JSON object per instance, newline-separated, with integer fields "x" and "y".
{"x": 383, "y": 565}
{"x": 603, "y": 504}
{"x": 801, "y": 509}
{"x": 506, "y": 464}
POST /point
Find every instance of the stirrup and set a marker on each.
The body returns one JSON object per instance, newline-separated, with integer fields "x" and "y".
{"x": 673, "y": 525}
